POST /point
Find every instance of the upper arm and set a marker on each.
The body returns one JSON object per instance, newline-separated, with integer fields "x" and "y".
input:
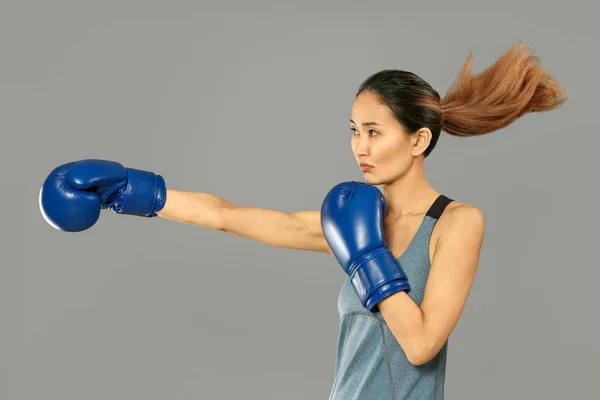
{"x": 311, "y": 219}
{"x": 297, "y": 230}
{"x": 452, "y": 272}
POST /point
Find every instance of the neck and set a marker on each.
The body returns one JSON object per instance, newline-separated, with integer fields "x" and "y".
{"x": 410, "y": 194}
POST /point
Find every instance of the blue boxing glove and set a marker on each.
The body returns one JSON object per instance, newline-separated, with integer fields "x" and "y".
{"x": 73, "y": 194}
{"x": 352, "y": 221}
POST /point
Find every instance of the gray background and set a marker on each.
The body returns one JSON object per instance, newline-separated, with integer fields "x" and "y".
{"x": 251, "y": 101}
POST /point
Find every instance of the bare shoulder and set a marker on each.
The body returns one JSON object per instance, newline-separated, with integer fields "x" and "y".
{"x": 464, "y": 213}
{"x": 461, "y": 218}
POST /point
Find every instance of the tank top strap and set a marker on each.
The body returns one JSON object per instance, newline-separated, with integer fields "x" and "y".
{"x": 438, "y": 206}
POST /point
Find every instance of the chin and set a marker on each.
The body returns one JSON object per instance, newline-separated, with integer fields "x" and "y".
{"x": 371, "y": 180}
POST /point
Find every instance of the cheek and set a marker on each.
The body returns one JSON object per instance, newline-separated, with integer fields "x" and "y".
{"x": 390, "y": 151}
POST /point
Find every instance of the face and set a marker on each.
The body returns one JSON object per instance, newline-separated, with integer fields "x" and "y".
{"x": 379, "y": 141}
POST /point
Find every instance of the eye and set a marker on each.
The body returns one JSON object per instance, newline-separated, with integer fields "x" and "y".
{"x": 372, "y": 132}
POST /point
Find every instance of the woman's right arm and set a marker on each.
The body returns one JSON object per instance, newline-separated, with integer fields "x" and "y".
{"x": 298, "y": 230}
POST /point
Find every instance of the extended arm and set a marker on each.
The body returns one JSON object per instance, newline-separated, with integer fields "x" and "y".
{"x": 73, "y": 195}
{"x": 297, "y": 230}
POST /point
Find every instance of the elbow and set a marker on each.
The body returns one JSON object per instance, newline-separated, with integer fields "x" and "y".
{"x": 416, "y": 360}
{"x": 421, "y": 355}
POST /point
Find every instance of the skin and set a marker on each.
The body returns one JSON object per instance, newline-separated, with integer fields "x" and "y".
{"x": 398, "y": 164}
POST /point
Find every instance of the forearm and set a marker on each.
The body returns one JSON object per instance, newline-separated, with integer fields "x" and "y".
{"x": 196, "y": 208}
{"x": 407, "y": 323}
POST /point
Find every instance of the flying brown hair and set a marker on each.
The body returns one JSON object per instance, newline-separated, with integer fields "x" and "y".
{"x": 514, "y": 85}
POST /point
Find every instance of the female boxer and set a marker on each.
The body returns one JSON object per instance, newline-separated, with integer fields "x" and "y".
{"x": 410, "y": 253}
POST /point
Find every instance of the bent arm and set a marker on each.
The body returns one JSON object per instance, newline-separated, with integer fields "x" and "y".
{"x": 297, "y": 230}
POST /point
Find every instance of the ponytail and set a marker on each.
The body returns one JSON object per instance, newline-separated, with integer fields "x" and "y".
{"x": 514, "y": 85}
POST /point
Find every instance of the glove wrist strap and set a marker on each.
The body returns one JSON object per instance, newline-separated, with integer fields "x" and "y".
{"x": 378, "y": 276}
{"x": 143, "y": 195}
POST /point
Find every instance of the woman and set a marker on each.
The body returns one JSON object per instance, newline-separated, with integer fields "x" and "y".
{"x": 396, "y": 349}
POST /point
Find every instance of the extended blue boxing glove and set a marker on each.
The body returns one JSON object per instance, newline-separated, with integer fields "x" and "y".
{"x": 352, "y": 221}
{"x": 73, "y": 194}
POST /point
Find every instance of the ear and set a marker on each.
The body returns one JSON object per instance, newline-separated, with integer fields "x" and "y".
{"x": 420, "y": 141}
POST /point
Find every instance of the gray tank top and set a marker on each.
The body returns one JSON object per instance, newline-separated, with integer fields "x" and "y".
{"x": 370, "y": 364}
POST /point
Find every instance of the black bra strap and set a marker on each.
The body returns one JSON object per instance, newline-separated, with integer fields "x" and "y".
{"x": 438, "y": 206}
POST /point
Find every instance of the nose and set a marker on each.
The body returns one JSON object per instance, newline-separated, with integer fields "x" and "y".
{"x": 361, "y": 145}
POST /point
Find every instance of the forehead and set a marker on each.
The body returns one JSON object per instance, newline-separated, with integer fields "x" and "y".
{"x": 368, "y": 108}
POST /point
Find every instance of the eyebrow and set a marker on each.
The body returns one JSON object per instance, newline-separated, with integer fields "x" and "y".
{"x": 367, "y": 123}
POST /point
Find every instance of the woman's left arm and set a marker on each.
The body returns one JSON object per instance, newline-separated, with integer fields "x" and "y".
{"x": 422, "y": 331}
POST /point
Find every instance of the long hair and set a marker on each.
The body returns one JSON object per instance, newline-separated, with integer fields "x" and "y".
{"x": 475, "y": 104}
